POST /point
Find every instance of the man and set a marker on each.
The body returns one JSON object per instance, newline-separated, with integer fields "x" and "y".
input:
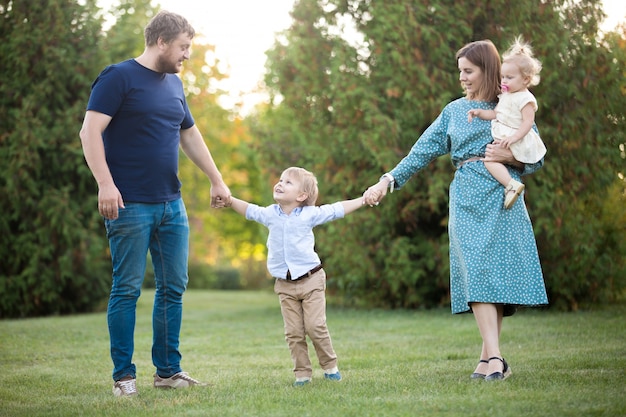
{"x": 136, "y": 119}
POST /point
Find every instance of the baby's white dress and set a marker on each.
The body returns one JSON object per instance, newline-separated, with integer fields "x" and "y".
{"x": 530, "y": 148}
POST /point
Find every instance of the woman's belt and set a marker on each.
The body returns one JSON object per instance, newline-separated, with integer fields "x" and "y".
{"x": 472, "y": 159}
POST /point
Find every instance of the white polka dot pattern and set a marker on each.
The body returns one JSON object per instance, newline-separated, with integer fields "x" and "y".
{"x": 493, "y": 253}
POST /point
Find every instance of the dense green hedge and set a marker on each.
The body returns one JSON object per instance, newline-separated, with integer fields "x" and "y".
{"x": 351, "y": 108}
{"x": 53, "y": 251}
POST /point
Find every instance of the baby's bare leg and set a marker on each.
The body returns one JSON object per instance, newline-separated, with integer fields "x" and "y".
{"x": 499, "y": 172}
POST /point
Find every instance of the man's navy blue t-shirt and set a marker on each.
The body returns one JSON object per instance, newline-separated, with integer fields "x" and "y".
{"x": 141, "y": 142}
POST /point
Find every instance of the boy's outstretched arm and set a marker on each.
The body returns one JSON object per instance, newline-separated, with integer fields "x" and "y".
{"x": 351, "y": 205}
{"x": 239, "y": 206}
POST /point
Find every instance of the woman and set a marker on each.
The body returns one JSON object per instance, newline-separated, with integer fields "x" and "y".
{"x": 494, "y": 265}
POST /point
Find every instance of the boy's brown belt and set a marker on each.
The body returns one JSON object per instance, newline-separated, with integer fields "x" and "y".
{"x": 308, "y": 274}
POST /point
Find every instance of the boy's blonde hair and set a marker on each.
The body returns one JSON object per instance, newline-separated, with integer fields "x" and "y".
{"x": 521, "y": 54}
{"x": 308, "y": 183}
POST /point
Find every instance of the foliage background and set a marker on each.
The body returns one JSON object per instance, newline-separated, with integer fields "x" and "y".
{"x": 53, "y": 258}
{"x": 347, "y": 108}
{"x": 352, "y": 108}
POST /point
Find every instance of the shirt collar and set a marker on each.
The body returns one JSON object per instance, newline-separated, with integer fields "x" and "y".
{"x": 295, "y": 212}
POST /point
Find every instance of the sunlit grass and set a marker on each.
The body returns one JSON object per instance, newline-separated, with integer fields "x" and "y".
{"x": 394, "y": 363}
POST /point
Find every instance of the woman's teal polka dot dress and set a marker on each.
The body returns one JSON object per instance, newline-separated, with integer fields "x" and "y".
{"x": 493, "y": 253}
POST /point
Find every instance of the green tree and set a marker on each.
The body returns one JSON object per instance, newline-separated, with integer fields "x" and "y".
{"x": 351, "y": 107}
{"x": 220, "y": 238}
{"x": 52, "y": 246}
{"x": 124, "y": 39}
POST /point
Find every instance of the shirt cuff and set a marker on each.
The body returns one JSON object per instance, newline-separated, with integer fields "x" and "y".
{"x": 392, "y": 181}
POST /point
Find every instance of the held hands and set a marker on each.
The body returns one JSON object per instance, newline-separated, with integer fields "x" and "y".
{"x": 219, "y": 202}
{"x": 220, "y": 196}
{"x": 374, "y": 194}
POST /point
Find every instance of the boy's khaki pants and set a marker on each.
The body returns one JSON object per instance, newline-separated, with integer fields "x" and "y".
{"x": 303, "y": 306}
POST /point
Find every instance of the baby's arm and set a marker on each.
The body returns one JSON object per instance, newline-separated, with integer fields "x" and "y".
{"x": 481, "y": 114}
{"x": 351, "y": 205}
{"x": 239, "y": 206}
{"x": 528, "y": 118}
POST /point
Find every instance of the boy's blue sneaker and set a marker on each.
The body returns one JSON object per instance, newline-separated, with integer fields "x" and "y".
{"x": 333, "y": 377}
{"x": 301, "y": 382}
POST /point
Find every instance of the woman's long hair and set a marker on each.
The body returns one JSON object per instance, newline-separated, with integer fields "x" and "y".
{"x": 485, "y": 56}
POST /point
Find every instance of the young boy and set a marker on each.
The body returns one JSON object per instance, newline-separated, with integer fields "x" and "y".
{"x": 292, "y": 261}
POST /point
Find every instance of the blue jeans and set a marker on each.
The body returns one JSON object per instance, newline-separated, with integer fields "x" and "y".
{"x": 162, "y": 229}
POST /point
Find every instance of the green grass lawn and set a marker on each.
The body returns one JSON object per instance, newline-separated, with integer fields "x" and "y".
{"x": 394, "y": 363}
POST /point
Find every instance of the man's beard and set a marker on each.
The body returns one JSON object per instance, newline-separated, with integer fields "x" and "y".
{"x": 166, "y": 66}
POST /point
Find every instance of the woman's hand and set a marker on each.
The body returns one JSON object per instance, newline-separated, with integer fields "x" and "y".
{"x": 374, "y": 194}
{"x": 497, "y": 153}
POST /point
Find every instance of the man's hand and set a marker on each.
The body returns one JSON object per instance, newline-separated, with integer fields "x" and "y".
{"x": 219, "y": 202}
{"x": 109, "y": 202}
{"x": 220, "y": 196}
